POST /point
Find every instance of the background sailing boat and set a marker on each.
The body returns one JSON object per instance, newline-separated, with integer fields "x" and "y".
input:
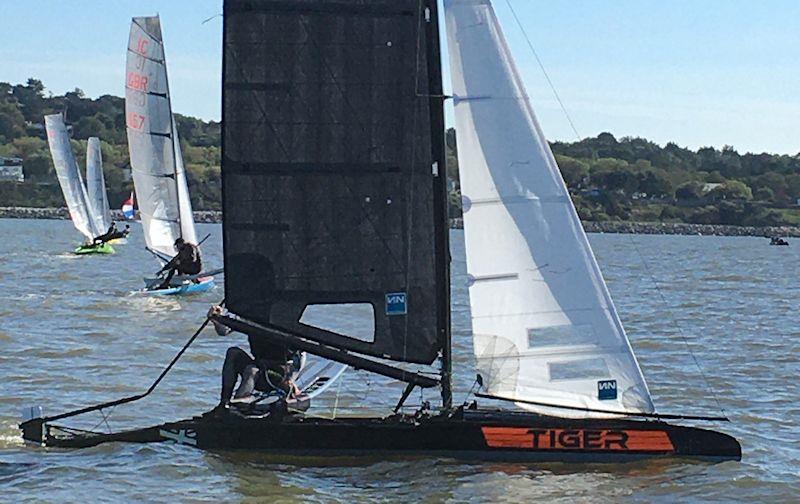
{"x": 157, "y": 167}
{"x": 89, "y": 223}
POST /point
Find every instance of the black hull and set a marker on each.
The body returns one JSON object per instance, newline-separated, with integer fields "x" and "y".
{"x": 468, "y": 435}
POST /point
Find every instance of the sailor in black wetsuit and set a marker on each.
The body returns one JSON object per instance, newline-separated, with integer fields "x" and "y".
{"x": 112, "y": 229}
{"x": 186, "y": 262}
{"x": 270, "y": 368}
{"x": 120, "y": 234}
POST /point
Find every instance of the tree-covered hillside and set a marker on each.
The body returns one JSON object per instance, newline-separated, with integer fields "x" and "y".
{"x": 610, "y": 179}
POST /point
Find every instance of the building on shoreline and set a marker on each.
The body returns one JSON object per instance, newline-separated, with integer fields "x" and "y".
{"x": 11, "y": 170}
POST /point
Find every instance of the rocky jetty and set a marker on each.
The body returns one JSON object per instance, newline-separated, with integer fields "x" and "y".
{"x": 679, "y": 228}
{"x": 676, "y": 228}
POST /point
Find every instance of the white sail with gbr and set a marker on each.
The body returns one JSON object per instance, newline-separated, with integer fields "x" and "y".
{"x": 156, "y": 164}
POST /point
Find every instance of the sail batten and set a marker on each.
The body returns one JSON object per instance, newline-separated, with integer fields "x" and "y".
{"x": 544, "y": 326}
{"x": 69, "y": 177}
{"x": 156, "y": 163}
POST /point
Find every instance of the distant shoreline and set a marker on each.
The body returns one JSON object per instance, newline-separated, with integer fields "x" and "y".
{"x": 665, "y": 228}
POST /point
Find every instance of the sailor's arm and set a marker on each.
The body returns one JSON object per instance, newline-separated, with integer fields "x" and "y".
{"x": 222, "y": 330}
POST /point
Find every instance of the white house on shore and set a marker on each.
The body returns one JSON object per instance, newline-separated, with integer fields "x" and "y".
{"x": 11, "y": 170}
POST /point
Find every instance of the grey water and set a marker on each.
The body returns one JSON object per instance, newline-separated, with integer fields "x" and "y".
{"x": 73, "y": 334}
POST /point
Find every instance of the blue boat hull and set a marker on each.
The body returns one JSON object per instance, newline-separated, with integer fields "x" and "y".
{"x": 205, "y": 284}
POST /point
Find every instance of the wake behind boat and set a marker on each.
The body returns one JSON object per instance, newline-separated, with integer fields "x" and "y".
{"x": 157, "y": 166}
{"x": 353, "y": 211}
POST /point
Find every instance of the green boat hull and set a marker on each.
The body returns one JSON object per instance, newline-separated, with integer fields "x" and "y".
{"x": 103, "y": 248}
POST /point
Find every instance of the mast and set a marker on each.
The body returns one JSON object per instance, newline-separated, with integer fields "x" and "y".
{"x": 171, "y": 130}
{"x": 442, "y": 241}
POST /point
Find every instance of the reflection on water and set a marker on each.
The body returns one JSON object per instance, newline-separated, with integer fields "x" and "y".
{"x": 71, "y": 334}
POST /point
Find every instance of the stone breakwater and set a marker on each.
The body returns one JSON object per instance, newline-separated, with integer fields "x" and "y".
{"x": 211, "y": 216}
{"x": 207, "y": 216}
{"x": 678, "y": 228}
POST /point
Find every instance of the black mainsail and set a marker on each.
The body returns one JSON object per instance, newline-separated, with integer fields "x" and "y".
{"x": 334, "y": 186}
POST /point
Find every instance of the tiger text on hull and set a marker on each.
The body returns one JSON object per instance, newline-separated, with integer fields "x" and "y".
{"x": 577, "y": 439}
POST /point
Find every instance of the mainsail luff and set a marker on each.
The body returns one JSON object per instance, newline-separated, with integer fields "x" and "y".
{"x": 327, "y": 170}
{"x": 544, "y": 324}
{"x": 69, "y": 176}
{"x": 96, "y": 185}
{"x": 156, "y": 164}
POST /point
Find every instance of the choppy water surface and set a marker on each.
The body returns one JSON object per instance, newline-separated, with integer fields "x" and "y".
{"x": 72, "y": 335}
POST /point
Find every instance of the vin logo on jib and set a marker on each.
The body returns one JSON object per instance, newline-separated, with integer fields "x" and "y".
{"x": 396, "y": 303}
{"x": 607, "y": 390}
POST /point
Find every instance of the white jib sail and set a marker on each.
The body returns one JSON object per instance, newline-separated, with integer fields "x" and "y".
{"x": 69, "y": 177}
{"x": 96, "y": 185}
{"x": 156, "y": 164}
{"x": 545, "y": 327}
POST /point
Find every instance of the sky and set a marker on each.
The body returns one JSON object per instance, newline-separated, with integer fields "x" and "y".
{"x": 698, "y": 73}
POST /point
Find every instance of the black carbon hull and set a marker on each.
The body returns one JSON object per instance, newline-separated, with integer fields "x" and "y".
{"x": 468, "y": 435}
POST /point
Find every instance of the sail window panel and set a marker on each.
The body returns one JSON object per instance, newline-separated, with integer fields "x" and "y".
{"x": 583, "y": 369}
{"x": 355, "y": 320}
{"x": 562, "y": 335}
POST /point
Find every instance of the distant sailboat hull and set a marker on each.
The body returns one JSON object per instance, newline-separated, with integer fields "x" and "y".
{"x": 202, "y": 285}
{"x": 101, "y": 248}
{"x": 485, "y": 435}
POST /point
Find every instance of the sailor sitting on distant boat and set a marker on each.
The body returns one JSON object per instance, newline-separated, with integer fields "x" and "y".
{"x": 186, "y": 262}
{"x": 111, "y": 234}
{"x": 777, "y": 240}
{"x": 269, "y": 369}
{"x": 118, "y": 235}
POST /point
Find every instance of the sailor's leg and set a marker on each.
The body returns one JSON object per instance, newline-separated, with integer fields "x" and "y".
{"x": 248, "y": 385}
{"x": 236, "y": 361}
{"x": 165, "y": 283}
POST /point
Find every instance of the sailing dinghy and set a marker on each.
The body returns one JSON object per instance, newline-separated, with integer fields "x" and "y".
{"x": 96, "y": 189}
{"x": 159, "y": 176}
{"x": 84, "y": 218}
{"x": 335, "y": 194}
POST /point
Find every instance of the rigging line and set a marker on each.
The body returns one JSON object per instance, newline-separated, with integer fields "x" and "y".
{"x": 544, "y": 71}
{"x": 676, "y": 324}
{"x": 410, "y": 188}
{"x": 129, "y": 399}
{"x": 336, "y": 401}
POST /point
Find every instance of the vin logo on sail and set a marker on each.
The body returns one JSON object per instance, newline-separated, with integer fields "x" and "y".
{"x": 607, "y": 390}
{"x": 396, "y": 303}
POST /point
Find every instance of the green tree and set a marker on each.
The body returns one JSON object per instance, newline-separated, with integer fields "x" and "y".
{"x": 575, "y": 172}
{"x": 689, "y": 191}
{"x": 11, "y": 121}
{"x": 732, "y": 190}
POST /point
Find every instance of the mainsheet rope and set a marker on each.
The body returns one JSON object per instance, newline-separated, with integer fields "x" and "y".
{"x": 676, "y": 324}
{"x": 125, "y": 400}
